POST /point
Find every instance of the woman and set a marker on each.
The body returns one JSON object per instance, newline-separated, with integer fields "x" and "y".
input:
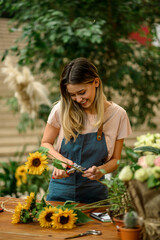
{"x": 90, "y": 132}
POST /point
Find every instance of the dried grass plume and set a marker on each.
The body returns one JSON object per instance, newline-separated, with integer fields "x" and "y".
{"x": 29, "y": 93}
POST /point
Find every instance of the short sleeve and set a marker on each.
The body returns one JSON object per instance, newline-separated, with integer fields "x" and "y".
{"x": 54, "y": 116}
{"x": 124, "y": 129}
{"x": 116, "y": 126}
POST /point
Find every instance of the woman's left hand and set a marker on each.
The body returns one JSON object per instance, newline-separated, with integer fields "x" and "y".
{"x": 93, "y": 173}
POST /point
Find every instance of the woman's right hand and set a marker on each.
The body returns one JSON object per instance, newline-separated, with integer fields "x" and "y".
{"x": 58, "y": 173}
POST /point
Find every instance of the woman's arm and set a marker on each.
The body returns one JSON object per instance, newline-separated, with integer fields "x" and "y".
{"x": 93, "y": 173}
{"x": 48, "y": 139}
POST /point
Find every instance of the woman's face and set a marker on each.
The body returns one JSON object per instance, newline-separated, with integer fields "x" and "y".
{"x": 84, "y": 94}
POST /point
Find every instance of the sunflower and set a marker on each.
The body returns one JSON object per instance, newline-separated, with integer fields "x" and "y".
{"x": 64, "y": 219}
{"x": 21, "y": 175}
{"x": 30, "y": 199}
{"x": 36, "y": 163}
{"x": 45, "y": 219}
{"x": 17, "y": 214}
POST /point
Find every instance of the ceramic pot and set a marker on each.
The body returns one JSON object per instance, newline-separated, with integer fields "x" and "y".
{"x": 118, "y": 222}
{"x": 130, "y": 233}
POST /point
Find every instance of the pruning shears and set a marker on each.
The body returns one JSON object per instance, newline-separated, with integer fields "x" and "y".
{"x": 75, "y": 168}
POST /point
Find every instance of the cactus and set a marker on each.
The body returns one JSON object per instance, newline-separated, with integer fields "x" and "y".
{"x": 131, "y": 219}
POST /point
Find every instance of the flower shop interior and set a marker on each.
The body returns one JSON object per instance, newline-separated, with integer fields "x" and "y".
{"x": 133, "y": 189}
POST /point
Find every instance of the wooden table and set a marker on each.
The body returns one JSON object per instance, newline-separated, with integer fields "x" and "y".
{"x": 35, "y": 232}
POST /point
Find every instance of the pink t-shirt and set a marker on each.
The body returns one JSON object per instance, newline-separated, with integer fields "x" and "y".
{"x": 116, "y": 125}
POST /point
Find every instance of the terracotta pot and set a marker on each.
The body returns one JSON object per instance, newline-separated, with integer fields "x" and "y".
{"x": 118, "y": 222}
{"x": 130, "y": 233}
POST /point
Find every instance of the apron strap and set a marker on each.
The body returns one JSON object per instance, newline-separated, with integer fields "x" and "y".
{"x": 99, "y": 132}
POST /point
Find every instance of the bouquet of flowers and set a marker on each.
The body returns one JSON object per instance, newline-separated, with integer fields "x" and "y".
{"x": 64, "y": 216}
{"x": 143, "y": 183}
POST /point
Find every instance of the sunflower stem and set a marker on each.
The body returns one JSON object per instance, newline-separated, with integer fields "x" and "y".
{"x": 98, "y": 204}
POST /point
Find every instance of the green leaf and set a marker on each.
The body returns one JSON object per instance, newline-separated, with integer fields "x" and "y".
{"x": 103, "y": 171}
{"x": 4, "y": 55}
{"x": 33, "y": 188}
{"x": 82, "y": 217}
{"x": 152, "y": 182}
{"x": 38, "y": 213}
{"x": 148, "y": 149}
{"x": 43, "y": 150}
{"x": 43, "y": 201}
{"x": 34, "y": 211}
{"x": 70, "y": 204}
{"x": 57, "y": 163}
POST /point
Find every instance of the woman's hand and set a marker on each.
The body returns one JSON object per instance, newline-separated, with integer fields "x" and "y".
{"x": 58, "y": 173}
{"x": 93, "y": 173}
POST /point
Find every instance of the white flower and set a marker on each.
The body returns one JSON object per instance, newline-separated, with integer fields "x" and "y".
{"x": 141, "y": 174}
{"x": 125, "y": 174}
{"x": 149, "y": 171}
{"x": 156, "y": 171}
{"x": 150, "y": 160}
{"x": 148, "y": 140}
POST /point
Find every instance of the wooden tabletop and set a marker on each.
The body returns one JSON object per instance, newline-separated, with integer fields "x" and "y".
{"x": 35, "y": 232}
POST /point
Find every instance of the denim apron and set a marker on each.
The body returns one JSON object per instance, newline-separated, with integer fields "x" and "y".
{"x": 87, "y": 151}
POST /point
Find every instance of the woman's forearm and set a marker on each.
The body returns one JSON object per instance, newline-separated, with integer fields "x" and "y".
{"x": 53, "y": 151}
{"x": 110, "y": 166}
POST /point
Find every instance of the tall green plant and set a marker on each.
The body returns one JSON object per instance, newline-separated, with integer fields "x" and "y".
{"x": 54, "y": 32}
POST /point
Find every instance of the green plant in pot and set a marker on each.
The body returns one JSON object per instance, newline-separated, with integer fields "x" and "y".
{"x": 131, "y": 230}
{"x": 119, "y": 198}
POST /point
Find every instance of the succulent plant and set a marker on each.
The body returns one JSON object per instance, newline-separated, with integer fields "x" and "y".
{"x": 130, "y": 219}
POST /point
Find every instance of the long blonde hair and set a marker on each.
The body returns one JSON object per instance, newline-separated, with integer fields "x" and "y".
{"x": 79, "y": 71}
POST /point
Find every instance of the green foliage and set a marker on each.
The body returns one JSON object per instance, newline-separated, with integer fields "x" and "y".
{"x": 147, "y": 149}
{"x": 34, "y": 183}
{"x": 82, "y": 217}
{"x": 119, "y": 199}
{"x": 7, "y": 178}
{"x": 13, "y": 104}
{"x": 153, "y": 182}
{"x": 43, "y": 150}
{"x": 25, "y": 122}
{"x": 55, "y": 32}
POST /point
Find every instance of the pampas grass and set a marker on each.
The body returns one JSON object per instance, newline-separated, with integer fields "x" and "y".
{"x": 29, "y": 93}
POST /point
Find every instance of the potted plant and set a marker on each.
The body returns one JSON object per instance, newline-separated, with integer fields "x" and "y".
{"x": 130, "y": 230}
{"x": 119, "y": 198}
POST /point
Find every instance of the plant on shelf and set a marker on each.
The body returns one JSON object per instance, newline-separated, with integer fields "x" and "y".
{"x": 130, "y": 230}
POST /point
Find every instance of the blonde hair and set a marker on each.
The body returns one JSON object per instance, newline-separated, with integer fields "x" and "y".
{"x": 79, "y": 71}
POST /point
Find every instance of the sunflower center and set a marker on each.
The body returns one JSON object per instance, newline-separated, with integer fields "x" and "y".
{"x": 48, "y": 217}
{"x": 36, "y": 162}
{"x": 64, "y": 220}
